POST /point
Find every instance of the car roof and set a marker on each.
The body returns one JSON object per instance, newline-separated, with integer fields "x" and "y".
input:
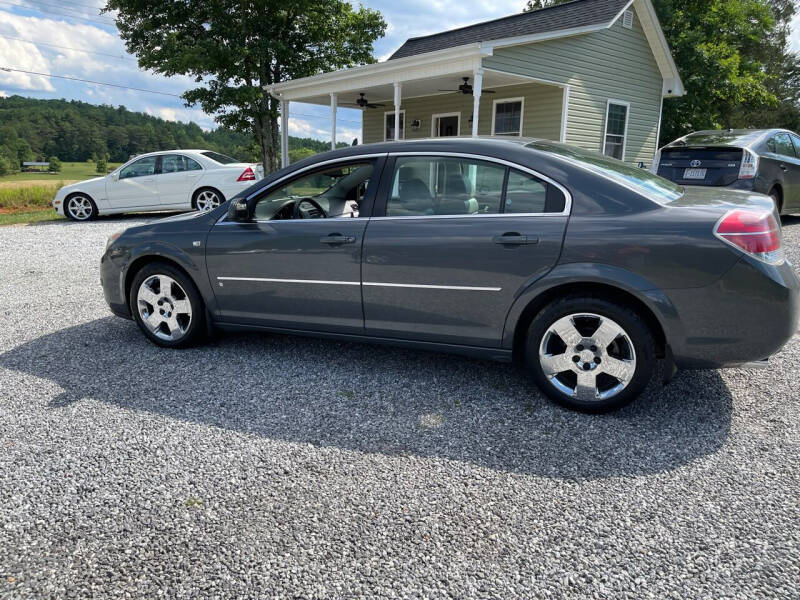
{"x": 725, "y": 137}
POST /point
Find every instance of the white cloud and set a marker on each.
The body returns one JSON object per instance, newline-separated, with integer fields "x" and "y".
{"x": 3, "y": 94}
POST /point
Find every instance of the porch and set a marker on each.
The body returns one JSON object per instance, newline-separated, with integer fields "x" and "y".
{"x": 419, "y": 97}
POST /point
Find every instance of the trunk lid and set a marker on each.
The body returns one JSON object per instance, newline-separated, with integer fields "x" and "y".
{"x": 721, "y": 200}
{"x": 700, "y": 165}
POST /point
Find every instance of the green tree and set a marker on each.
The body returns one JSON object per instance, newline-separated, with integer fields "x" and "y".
{"x": 234, "y": 47}
{"x": 101, "y": 165}
{"x": 55, "y": 164}
{"x": 296, "y": 154}
{"x": 5, "y": 166}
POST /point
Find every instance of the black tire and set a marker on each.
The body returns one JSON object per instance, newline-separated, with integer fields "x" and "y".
{"x": 777, "y": 198}
{"x": 74, "y": 214}
{"x": 195, "y": 327}
{"x": 636, "y": 330}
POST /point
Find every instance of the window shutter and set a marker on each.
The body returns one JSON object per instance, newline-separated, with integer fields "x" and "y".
{"x": 627, "y": 19}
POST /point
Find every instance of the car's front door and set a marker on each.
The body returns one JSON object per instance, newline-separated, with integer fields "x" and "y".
{"x": 297, "y": 263}
{"x": 134, "y": 186}
{"x": 457, "y": 239}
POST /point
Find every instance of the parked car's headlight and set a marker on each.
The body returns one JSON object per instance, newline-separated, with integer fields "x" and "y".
{"x": 113, "y": 237}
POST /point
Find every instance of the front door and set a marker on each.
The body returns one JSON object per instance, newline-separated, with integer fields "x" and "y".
{"x": 446, "y": 125}
{"x": 297, "y": 263}
{"x": 459, "y": 240}
{"x": 134, "y": 186}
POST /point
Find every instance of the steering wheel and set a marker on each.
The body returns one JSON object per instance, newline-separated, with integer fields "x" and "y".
{"x": 298, "y": 214}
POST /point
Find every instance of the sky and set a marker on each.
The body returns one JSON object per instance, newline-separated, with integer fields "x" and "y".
{"x": 70, "y": 38}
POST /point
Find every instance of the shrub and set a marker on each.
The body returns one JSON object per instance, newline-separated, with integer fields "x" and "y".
{"x": 102, "y": 166}
{"x": 55, "y": 164}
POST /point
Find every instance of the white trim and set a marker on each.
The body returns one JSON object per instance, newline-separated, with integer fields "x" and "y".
{"x": 271, "y": 280}
{"x": 564, "y": 113}
{"x": 521, "y": 100}
{"x": 334, "y": 103}
{"x": 627, "y": 106}
{"x": 439, "y": 115}
{"x": 658, "y": 128}
{"x": 284, "y": 133}
{"x": 391, "y": 112}
{"x": 433, "y": 287}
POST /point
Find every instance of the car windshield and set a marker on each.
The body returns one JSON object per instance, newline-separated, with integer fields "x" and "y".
{"x": 639, "y": 180}
{"x": 220, "y": 158}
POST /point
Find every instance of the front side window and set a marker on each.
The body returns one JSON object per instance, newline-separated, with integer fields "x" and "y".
{"x": 424, "y": 186}
{"x": 782, "y": 144}
{"x": 388, "y": 130}
{"x": 143, "y": 167}
{"x": 616, "y": 130}
{"x": 332, "y": 192}
{"x": 507, "y": 117}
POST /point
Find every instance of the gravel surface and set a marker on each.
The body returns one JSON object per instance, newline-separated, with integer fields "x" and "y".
{"x": 267, "y": 466}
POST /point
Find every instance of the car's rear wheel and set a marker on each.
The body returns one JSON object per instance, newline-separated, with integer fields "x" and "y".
{"x": 207, "y": 199}
{"x": 166, "y": 305}
{"x": 590, "y": 354}
{"x": 80, "y": 207}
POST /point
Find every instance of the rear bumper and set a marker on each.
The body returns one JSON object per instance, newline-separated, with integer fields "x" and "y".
{"x": 745, "y": 317}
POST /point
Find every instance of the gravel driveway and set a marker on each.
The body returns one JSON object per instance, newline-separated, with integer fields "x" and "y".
{"x": 266, "y": 466}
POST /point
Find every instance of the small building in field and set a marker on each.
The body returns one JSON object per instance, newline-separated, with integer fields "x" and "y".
{"x": 592, "y": 73}
{"x": 35, "y": 166}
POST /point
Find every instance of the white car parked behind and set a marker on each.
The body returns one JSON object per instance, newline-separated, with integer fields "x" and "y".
{"x": 172, "y": 180}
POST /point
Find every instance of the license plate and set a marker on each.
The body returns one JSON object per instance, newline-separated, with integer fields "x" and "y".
{"x": 694, "y": 174}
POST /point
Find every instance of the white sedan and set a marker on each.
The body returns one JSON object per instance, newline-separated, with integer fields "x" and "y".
{"x": 172, "y": 180}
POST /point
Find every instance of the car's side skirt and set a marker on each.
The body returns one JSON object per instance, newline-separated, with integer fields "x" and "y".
{"x": 496, "y": 354}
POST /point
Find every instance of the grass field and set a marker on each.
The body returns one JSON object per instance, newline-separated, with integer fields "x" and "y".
{"x": 26, "y": 197}
{"x": 70, "y": 171}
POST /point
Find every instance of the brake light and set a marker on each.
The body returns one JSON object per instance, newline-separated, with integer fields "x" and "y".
{"x": 247, "y": 175}
{"x": 755, "y": 233}
{"x": 749, "y": 165}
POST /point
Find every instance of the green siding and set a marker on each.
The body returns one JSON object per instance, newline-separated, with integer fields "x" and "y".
{"x": 616, "y": 63}
{"x": 541, "y": 112}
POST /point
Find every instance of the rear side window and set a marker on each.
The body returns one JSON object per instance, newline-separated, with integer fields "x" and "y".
{"x": 781, "y": 144}
{"x": 430, "y": 186}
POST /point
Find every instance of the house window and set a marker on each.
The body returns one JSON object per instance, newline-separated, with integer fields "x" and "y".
{"x": 388, "y": 126}
{"x": 507, "y": 117}
{"x": 616, "y": 129}
{"x": 627, "y": 19}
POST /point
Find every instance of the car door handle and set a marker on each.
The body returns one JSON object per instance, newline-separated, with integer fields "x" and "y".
{"x": 783, "y": 167}
{"x": 336, "y": 239}
{"x": 514, "y": 239}
{"x": 150, "y": 180}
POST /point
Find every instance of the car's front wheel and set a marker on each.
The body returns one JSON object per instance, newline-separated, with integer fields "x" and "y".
{"x": 167, "y": 306}
{"x": 590, "y": 354}
{"x": 80, "y": 207}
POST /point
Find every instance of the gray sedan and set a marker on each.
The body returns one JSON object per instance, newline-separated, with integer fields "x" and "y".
{"x": 585, "y": 269}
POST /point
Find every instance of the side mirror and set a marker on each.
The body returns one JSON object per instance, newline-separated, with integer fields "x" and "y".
{"x": 115, "y": 176}
{"x": 238, "y": 210}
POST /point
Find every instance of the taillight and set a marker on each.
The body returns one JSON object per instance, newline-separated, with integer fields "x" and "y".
{"x": 247, "y": 175}
{"x": 755, "y": 233}
{"x": 656, "y": 161}
{"x": 749, "y": 166}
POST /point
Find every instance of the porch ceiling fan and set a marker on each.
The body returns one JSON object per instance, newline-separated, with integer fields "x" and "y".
{"x": 466, "y": 88}
{"x": 362, "y": 102}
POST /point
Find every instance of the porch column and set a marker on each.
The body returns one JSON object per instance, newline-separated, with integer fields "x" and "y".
{"x": 284, "y": 133}
{"x": 397, "y": 89}
{"x": 477, "y": 86}
{"x": 333, "y": 121}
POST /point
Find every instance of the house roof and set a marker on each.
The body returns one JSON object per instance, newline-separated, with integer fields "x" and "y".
{"x": 571, "y": 15}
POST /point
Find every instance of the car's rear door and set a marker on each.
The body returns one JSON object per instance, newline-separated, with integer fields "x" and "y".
{"x": 297, "y": 273}
{"x": 454, "y": 240}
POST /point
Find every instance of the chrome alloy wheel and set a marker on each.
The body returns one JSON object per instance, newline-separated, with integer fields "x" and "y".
{"x": 80, "y": 208}
{"x": 164, "y": 307}
{"x": 207, "y": 200}
{"x": 587, "y": 356}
